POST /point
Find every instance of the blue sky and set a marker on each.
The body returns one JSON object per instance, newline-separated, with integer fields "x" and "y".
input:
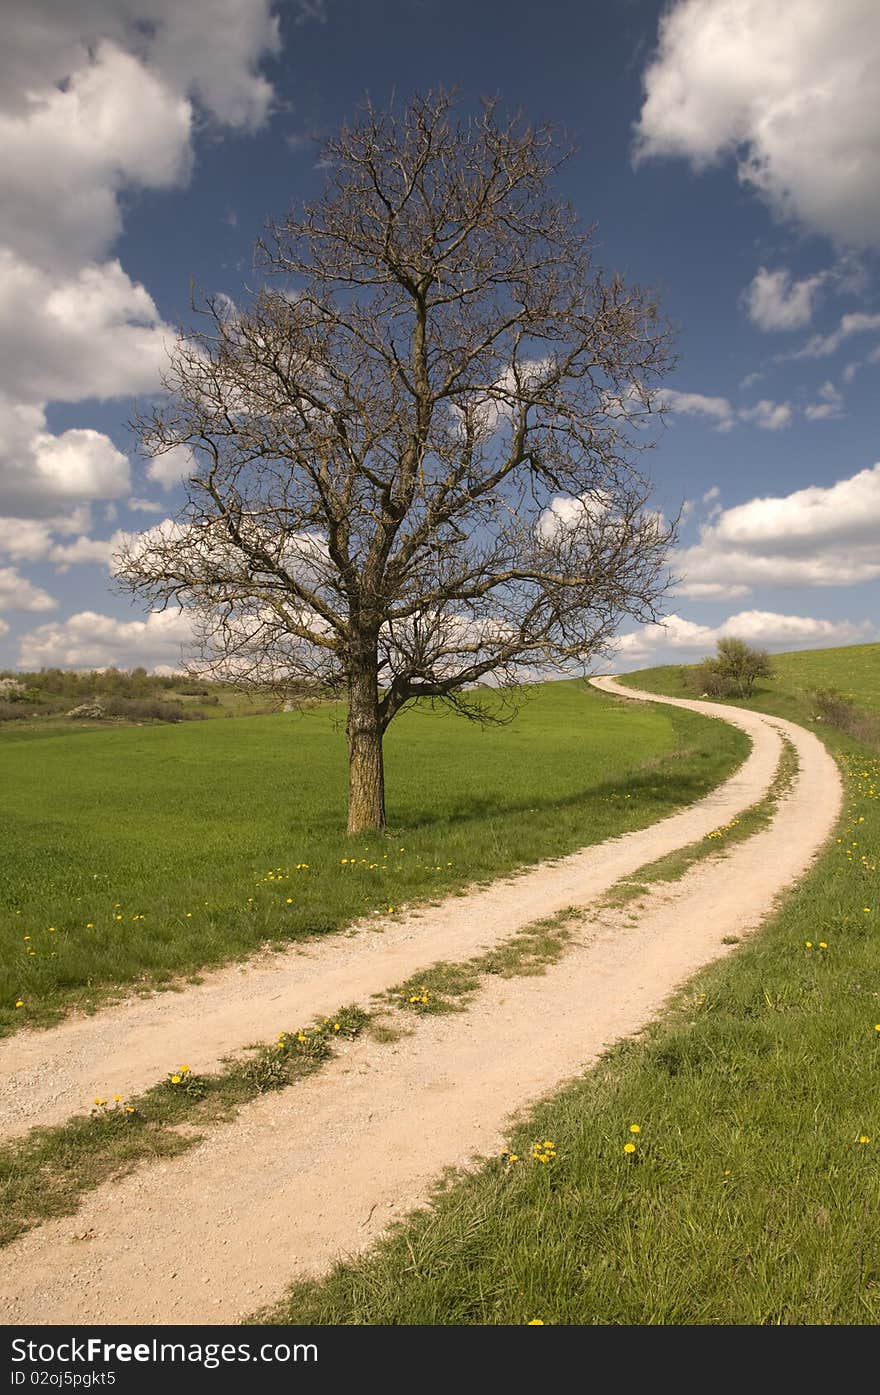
{"x": 729, "y": 153}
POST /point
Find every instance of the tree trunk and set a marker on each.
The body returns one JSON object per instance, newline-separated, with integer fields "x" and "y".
{"x": 366, "y": 772}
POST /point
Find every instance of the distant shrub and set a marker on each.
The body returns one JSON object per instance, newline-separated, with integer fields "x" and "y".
{"x": 144, "y": 709}
{"x": 841, "y": 711}
{"x": 733, "y": 671}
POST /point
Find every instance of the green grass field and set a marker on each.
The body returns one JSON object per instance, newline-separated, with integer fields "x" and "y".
{"x": 724, "y": 1168}
{"x": 133, "y": 855}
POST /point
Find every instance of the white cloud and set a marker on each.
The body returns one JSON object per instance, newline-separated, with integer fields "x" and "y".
{"x": 788, "y": 90}
{"x": 144, "y": 506}
{"x": 96, "y": 99}
{"x": 43, "y": 540}
{"x": 172, "y": 467}
{"x": 819, "y": 536}
{"x": 92, "y": 334}
{"x": 17, "y": 593}
{"x": 40, "y": 472}
{"x": 830, "y": 404}
{"x": 85, "y": 549}
{"x": 711, "y": 590}
{"x": 690, "y": 404}
{"x": 769, "y": 416}
{"x": 30, "y": 539}
{"x": 750, "y": 379}
{"x": 566, "y": 513}
{"x": 211, "y": 48}
{"x": 113, "y": 124}
{"x": 821, "y": 345}
{"x": 774, "y": 301}
{"x": 91, "y": 640}
{"x": 681, "y": 639}
{"x": 712, "y": 494}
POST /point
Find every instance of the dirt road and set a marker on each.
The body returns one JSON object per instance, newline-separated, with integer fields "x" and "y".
{"x": 318, "y": 1170}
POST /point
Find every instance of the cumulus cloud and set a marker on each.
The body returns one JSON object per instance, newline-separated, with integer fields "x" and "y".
{"x": 93, "y": 334}
{"x": 769, "y": 416}
{"x": 39, "y": 472}
{"x": 821, "y": 345}
{"x": 92, "y": 640}
{"x": 98, "y": 97}
{"x": 788, "y": 90}
{"x": 169, "y": 469}
{"x": 565, "y": 513}
{"x": 695, "y": 404}
{"x": 17, "y": 593}
{"x": 45, "y": 540}
{"x": 773, "y": 301}
{"x": 113, "y": 124}
{"x": 830, "y": 404}
{"x": 211, "y": 48}
{"x": 711, "y": 590}
{"x": 138, "y": 505}
{"x": 679, "y": 638}
{"x": 819, "y": 536}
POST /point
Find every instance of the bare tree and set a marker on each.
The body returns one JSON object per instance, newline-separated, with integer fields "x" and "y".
{"x": 413, "y": 449}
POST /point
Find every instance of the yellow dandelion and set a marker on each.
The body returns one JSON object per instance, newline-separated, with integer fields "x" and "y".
{"x": 863, "y": 1138}
{"x": 629, "y": 1147}
{"x": 175, "y": 1080}
{"x": 535, "y": 1322}
{"x": 635, "y": 1128}
{"x": 90, "y": 925}
{"x": 117, "y": 1099}
{"x": 289, "y": 901}
{"x": 809, "y": 944}
{"x": 20, "y": 1002}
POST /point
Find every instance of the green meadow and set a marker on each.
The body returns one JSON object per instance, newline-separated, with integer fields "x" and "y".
{"x": 135, "y": 856}
{"x": 722, "y": 1167}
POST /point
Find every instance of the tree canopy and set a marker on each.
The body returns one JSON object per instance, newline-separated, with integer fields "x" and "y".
{"x": 413, "y": 450}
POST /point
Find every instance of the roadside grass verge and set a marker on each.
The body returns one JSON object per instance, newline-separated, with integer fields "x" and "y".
{"x": 721, "y": 1168}
{"x": 47, "y": 1173}
{"x": 449, "y": 987}
{"x": 137, "y": 857}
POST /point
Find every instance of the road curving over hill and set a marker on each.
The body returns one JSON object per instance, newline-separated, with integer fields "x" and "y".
{"x": 317, "y": 1171}
{"x": 48, "y": 1075}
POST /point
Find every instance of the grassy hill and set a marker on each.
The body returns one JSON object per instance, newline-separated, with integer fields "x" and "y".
{"x": 853, "y": 672}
